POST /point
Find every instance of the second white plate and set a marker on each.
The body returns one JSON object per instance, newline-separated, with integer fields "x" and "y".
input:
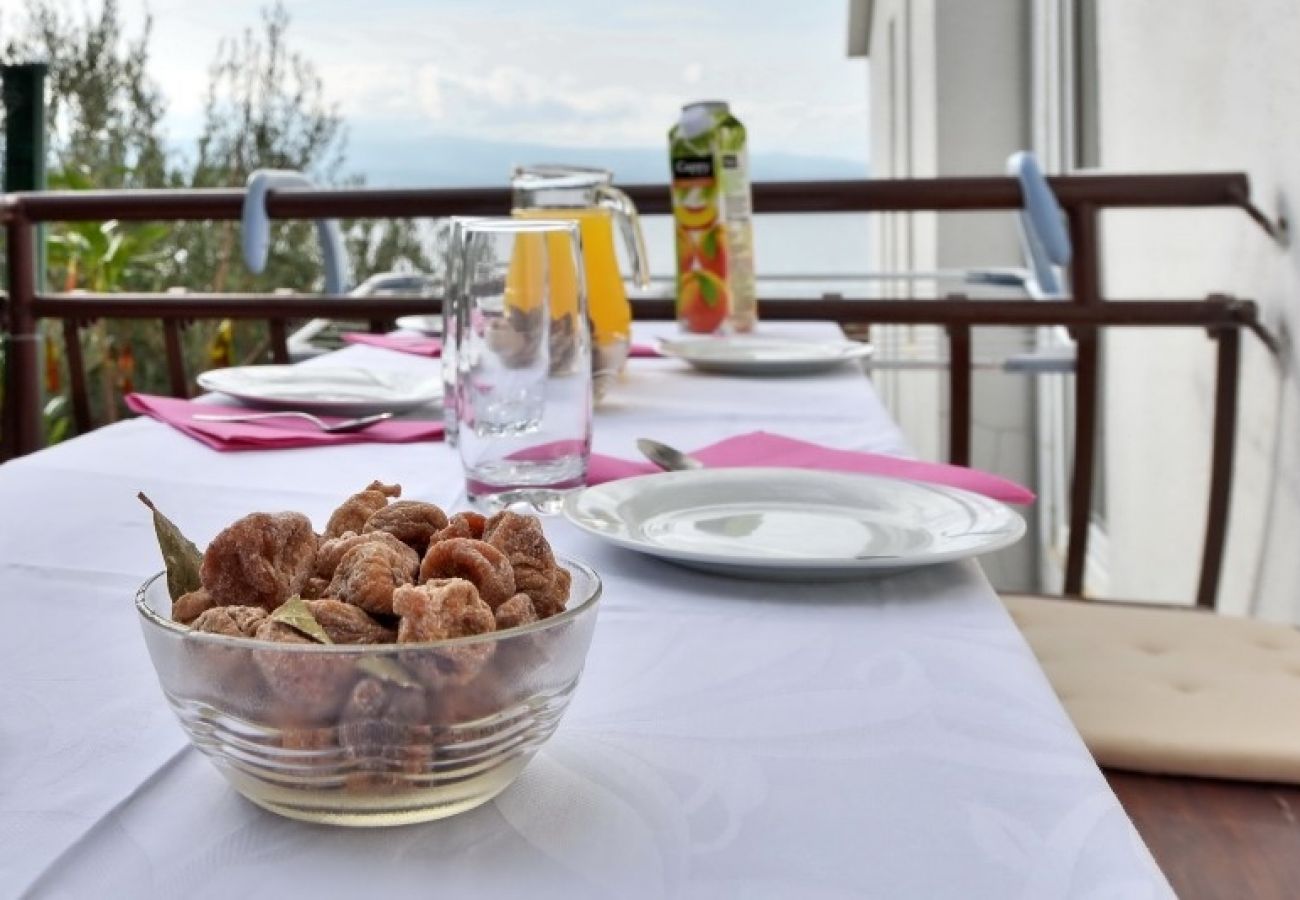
{"x": 336, "y": 391}
{"x": 426, "y": 325}
{"x": 755, "y": 355}
{"x": 793, "y": 524}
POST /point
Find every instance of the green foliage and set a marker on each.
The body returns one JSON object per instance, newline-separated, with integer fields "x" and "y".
{"x": 57, "y": 418}
{"x": 102, "y": 256}
{"x": 183, "y": 560}
{"x": 104, "y": 112}
{"x": 265, "y": 107}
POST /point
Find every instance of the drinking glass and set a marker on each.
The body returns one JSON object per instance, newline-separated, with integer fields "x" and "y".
{"x": 453, "y": 311}
{"x": 522, "y": 392}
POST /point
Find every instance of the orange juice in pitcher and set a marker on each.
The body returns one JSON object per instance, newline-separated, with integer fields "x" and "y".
{"x": 586, "y": 196}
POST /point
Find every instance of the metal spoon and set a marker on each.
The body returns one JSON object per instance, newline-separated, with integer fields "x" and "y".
{"x": 670, "y": 459}
{"x": 348, "y": 426}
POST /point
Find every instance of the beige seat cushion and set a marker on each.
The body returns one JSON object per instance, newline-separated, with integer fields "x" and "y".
{"x": 1172, "y": 691}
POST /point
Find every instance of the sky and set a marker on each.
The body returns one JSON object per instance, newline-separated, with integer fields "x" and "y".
{"x": 455, "y": 91}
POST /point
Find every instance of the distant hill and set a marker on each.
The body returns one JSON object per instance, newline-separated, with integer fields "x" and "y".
{"x": 392, "y": 158}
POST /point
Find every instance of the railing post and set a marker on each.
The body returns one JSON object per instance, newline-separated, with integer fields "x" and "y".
{"x": 1085, "y": 281}
{"x": 279, "y": 336}
{"x": 22, "y": 357}
{"x": 175, "y": 353}
{"x": 959, "y": 394}
{"x": 23, "y": 88}
{"x": 1227, "y": 379}
{"x": 76, "y": 375}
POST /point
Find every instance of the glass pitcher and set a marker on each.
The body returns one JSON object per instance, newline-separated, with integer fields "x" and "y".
{"x": 586, "y": 196}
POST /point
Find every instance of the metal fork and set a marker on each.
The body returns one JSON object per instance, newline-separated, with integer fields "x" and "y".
{"x": 345, "y": 427}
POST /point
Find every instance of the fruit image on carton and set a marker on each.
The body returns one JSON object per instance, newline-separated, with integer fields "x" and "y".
{"x": 711, "y": 215}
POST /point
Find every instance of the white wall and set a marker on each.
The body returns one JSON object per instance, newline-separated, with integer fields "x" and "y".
{"x": 904, "y": 145}
{"x": 1201, "y": 86}
{"x": 948, "y": 97}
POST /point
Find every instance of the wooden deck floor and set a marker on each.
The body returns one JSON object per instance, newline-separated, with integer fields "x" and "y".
{"x": 1217, "y": 840}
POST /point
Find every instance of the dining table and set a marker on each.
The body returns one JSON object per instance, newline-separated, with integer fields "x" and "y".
{"x": 888, "y": 737}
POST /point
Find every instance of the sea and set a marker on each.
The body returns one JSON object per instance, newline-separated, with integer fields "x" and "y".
{"x": 784, "y": 245}
{"x": 804, "y": 245}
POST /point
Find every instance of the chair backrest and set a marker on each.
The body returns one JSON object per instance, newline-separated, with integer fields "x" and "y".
{"x": 256, "y": 229}
{"x": 1043, "y": 235}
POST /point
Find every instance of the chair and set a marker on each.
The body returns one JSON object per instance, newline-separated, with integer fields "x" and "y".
{"x": 1191, "y": 716}
{"x": 1152, "y": 689}
{"x": 1171, "y": 690}
{"x": 1157, "y": 692}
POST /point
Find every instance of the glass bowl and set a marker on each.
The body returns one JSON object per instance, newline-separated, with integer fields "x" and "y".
{"x": 381, "y": 734}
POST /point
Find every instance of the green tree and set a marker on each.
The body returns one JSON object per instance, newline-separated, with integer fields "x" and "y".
{"x": 105, "y": 113}
{"x": 103, "y": 131}
{"x": 265, "y": 108}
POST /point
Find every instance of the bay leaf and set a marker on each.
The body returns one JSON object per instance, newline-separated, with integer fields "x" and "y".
{"x": 296, "y": 614}
{"x": 387, "y": 670}
{"x": 181, "y": 557}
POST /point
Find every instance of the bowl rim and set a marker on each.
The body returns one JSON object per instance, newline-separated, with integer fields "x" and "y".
{"x": 151, "y": 618}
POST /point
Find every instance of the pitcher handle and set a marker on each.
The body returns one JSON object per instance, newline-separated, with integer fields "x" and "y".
{"x": 630, "y": 224}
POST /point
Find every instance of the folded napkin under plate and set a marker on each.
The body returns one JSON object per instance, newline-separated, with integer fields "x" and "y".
{"x": 271, "y": 434}
{"x": 430, "y": 346}
{"x": 403, "y": 343}
{"x": 761, "y": 448}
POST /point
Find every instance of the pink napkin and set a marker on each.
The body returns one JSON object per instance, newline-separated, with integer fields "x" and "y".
{"x": 760, "y": 448}
{"x": 270, "y": 434}
{"x": 403, "y": 343}
{"x": 428, "y": 346}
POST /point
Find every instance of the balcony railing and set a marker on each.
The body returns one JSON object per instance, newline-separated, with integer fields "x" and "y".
{"x": 1084, "y": 312}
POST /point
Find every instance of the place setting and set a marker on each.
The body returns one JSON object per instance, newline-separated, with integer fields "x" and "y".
{"x": 770, "y": 507}
{"x": 230, "y": 428}
{"x": 282, "y": 407}
{"x": 762, "y": 354}
{"x": 323, "y": 389}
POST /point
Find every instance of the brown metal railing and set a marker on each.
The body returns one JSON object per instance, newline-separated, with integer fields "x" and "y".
{"x": 1082, "y": 197}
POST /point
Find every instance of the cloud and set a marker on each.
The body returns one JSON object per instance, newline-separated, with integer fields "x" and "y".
{"x": 573, "y": 72}
{"x": 428, "y": 93}
{"x": 616, "y": 80}
{"x": 511, "y": 103}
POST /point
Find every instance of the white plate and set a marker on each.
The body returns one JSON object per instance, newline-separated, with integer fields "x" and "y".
{"x": 322, "y": 389}
{"x": 426, "y": 325}
{"x": 793, "y": 524}
{"x": 754, "y": 355}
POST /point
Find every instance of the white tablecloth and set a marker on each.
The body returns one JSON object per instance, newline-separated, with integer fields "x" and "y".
{"x": 892, "y": 738}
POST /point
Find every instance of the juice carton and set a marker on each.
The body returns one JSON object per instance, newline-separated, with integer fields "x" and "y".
{"x": 712, "y": 218}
